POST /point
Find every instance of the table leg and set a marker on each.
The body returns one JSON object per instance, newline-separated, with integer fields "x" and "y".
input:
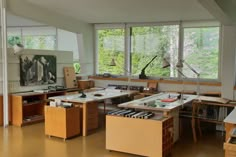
{"x": 84, "y": 107}
{"x": 193, "y": 122}
{"x": 199, "y": 123}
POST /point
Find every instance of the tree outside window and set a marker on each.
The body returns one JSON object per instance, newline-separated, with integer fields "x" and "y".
{"x": 111, "y": 46}
{"x": 201, "y": 51}
{"x": 148, "y": 41}
{"x": 12, "y": 40}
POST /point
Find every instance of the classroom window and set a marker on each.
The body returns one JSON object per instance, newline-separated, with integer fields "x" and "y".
{"x": 47, "y": 38}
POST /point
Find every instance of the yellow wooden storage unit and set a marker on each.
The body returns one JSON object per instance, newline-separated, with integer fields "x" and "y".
{"x": 146, "y": 137}
{"x": 27, "y": 108}
{"x": 230, "y": 149}
{"x": 62, "y": 122}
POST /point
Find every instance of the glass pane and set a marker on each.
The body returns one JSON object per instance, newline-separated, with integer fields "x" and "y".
{"x": 13, "y": 36}
{"x": 39, "y": 38}
{"x": 12, "y": 40}
{"x": 149, "y": 41}
{"x": 39, "y": 42}
{"x": 111, "y": 46}
{"x": 201, "y": 51}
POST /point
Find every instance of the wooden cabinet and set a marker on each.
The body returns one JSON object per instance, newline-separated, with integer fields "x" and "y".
{"x": 228, "y": 128}
{"x": 230, "y": 149}
{"x": 146, "y": 137}
{"x": 2, "y": 111}
{"x": 27, "y": 108}
{"x": 230, "y": 137}
{"x": 85, "y": 84}
{"x": 62, "y": 122}
{"x": 229, "y": 146}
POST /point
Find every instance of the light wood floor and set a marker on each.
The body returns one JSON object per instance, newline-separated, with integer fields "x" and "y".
{"x": 30, "y": 141}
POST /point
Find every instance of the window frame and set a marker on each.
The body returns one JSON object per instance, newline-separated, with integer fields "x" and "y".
{"x": 110, "y": 26}
{"x": 182, "y": 25}
{"x": 202, "y": 24}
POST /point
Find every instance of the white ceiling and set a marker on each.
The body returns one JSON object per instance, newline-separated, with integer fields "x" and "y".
{"x": 110, "y": 11}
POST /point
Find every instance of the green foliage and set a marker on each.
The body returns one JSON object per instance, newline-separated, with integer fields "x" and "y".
{"x": 12, "y": 40}
{"x": 200, "y": 50}
{"x": 111, "y": 46}
{"x": 45, "y": 42}
{"x": 77, "y": 67}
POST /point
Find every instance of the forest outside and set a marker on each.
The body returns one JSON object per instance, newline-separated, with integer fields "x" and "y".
{"x": 200, "y": 50}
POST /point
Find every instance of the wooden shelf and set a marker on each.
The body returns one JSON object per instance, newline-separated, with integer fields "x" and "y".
{"x": 28, "y": 107}
{"x": 33, "y": 103}
{"x": 108, "y": 78}
{"x": 209, "y": 120}
{"x": 33, "y": 119}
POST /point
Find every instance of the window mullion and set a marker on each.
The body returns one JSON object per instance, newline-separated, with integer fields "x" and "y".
{"x": 181, "y": 45}
{"x": 127, "y": 57}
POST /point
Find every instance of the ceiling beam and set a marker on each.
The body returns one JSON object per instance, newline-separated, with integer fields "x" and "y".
{"x": 216, "y": 11}
{"x": 35, "y": 13}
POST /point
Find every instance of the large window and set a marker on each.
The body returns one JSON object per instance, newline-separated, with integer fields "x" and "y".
{"x": 46, "y": 38}
{"x": 150, "y": 41}
{"x": 197, "y": 44}
{"x": 201, "y": 51}
{"x": 33, "y": 37}
{"x": 110, "y": 43}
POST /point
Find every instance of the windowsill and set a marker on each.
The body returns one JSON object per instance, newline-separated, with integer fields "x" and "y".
{"x": 213, "y": 83}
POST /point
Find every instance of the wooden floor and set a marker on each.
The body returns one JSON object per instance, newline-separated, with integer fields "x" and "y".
{"x": 30, "y": 141}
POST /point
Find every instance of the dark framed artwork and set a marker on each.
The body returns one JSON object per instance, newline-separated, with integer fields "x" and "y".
{"x": 37, "y": 70}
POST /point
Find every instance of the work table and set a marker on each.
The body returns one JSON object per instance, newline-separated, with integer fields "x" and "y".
{"x": 156, "y": 103}
{"x": 231, "y": 118}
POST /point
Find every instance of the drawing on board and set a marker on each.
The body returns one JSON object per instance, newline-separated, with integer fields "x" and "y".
{"x": 37, "y": 70}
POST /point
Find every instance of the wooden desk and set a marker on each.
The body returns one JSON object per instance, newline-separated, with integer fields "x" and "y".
{"x": 230, "y": 124}
{"x": 89, "y": 105}
{"x": 170, "y": 108}
{"x": 205, "y": 100}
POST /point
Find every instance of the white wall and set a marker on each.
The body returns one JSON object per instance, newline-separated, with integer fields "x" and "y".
{"x": 67, "y": 41}
{"x": 228, "y": 61}
{"x": 13, "y": 21}
{"x": 64, "y": 58}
